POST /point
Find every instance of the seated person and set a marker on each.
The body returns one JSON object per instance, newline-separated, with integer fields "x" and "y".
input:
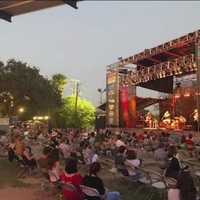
{"x": 186, "y": 189}
{"x": 131, "y": 159}
{"x": 92, "y": 180}
{"x": 54, "y": 167}
{"x": 161, "y": 156}
{"x": 173, "y": 169}
{"x": 190, "y": 145}
{"x": 119, "y": 141}
{"x": 43, "y": 160}
{"x": 120, "y": 159}
{"x": 27, "y": 155}
{"x": 65, "y": 148}
{"x": 148, "y": 145}
{"x": 72, "y": 176}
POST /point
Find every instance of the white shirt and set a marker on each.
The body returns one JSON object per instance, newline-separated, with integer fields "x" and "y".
{"x": 95, "y": 158}
{"x": 65, "y": 149}
{"x": 119, "y": 143}
{"x": 135, "y": 163}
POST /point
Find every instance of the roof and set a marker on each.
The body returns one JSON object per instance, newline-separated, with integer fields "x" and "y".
{"x": 140, "y": 103}
{"x": 8, "y": 9}
{"x": 179, "y": 50}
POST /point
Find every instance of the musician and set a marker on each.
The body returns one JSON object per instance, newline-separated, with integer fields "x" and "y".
{"x": 166, "y": 118}
{"x": 195, "y": 119}
{"x": 182, "y": 119}
{"x": 149, "y": 119}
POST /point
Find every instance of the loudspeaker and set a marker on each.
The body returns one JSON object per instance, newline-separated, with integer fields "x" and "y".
{"x": 100, "y": 122}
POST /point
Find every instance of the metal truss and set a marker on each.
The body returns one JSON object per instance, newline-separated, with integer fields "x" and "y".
{"x": 148, "y": 53}
{"x": 175, "y": 67}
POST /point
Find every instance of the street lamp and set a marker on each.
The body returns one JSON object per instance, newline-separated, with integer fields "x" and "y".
{"x": 101, "y": 95}
{"x": 21, "y": 110}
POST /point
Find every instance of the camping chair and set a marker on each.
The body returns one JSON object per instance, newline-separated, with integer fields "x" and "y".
{"x": 91, "y": 192}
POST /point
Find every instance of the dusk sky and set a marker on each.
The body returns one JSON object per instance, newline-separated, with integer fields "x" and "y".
{"x": 81, "y": 43}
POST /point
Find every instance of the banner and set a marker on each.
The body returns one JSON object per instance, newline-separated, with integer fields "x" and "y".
{"x": 112, "y": 111}
{"x": 128, "y": 103}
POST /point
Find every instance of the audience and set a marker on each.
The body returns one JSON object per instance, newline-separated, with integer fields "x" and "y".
{"x": 54, "y": 166}
{"x": 72, "y": 176}
{"x": 185, "y": 188}
{"x": 119, "y": 141}
{"x": 65, "y": 148}
{"x": 120, "y": 159}
{"x": 43, "y": 160}
{"x": 132, "y": 160}
{"x": 161, "y": 156}
{"x": 92, "y": 180}
{"x": 173, "y": 169}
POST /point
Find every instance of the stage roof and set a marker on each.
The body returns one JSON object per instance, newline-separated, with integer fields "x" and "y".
{"x": 174, "y": 49}
{"x": 140, "y": 103}
{"x": 8, "y": 9}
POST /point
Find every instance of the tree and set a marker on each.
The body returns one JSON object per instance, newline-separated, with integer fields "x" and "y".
{"x": 85, "y": 117}
{"x": 23, "y": 86}
{"x": 60, "y": 82}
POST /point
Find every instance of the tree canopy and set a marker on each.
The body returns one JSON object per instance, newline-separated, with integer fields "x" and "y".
{"x": 23, "y": 86}
{"x": 68, "y": 117}
{"x": 60, "y": 82}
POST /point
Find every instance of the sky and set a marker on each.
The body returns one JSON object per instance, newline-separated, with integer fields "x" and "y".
{"x": 81, "y": 43}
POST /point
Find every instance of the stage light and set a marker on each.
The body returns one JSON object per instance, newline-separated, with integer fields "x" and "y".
{"x": 186, "y": 94}
{"x": 177, "y": 96}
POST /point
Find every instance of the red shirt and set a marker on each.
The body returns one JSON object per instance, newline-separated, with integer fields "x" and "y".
{"x": 140, "y": 137}
{"x": 190, "y": 142}
{"x": 75, "y": 180}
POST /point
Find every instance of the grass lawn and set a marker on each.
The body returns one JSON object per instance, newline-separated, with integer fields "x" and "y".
{"x": 8, "y": 178}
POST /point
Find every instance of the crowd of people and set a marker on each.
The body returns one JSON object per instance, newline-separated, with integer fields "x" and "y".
{"x": 81, "y": 147}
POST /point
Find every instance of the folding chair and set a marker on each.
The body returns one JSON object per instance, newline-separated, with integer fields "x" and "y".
{"x": 25, "y": 169}
{"x": 69, "y": 187}
{"x": 169, "y": 182}
{"x": 195, "y": 169}
{"x": 113, "y": 169}
{"x": 58, "y": 186}
{"x": 156, "y": 182}
{"x": 145, "y": 180}
{"x": 91, "y": 192}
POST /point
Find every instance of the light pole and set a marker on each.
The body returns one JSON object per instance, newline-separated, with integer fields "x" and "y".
{"x": 101, "y": 95}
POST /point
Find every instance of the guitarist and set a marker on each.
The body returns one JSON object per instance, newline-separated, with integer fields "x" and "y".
{"x": 195, "y": 119}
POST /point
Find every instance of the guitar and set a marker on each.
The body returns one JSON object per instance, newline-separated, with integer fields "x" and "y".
{"x": 195, "y": 117}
